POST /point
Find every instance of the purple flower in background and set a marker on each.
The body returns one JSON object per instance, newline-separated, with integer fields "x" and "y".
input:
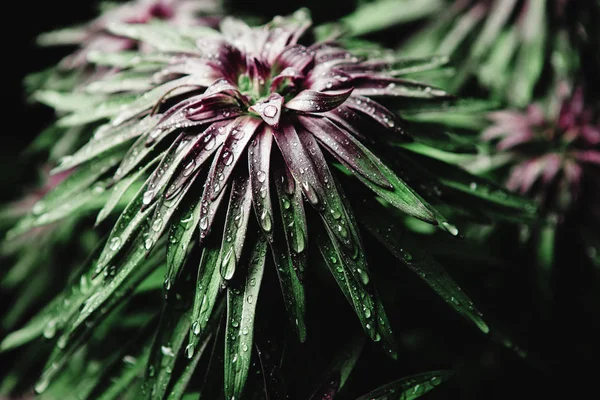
{"x": 94, "y": 36}
{"x": 553, "y": 151}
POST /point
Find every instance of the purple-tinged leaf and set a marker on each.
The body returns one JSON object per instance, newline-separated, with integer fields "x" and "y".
{"x": 348, "y": 119}
{"x": 139, "y": 151}
{"x": 366, "y": 85}
{"x": 297, "y": 57}
{"x": 316, "y": 181}
{"x": 322, "y": 79}
{"x": 168, "y": 165}
{"x": 259, "y": 159}
{"x": 205, "y": 145}
{"x": 377, "y": 112}
{"x": 345, "y": 148}
{"x": 270, "y": 110}
{"x": 150, "y": 99}
{"x": 211, "y": 106}
{"x": 288, "y": 74}
{"x": 313, "y": 101}
{"x": 236, "y": 224}
{"x": 293, "y": 217}
{"x": 239, "y": 134}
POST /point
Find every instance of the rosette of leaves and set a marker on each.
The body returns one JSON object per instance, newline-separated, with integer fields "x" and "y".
{"x": 78, "y": 70}
{"x": 94, "y": 36}
{"x": 507, "y": 46}
{"x": 550, "y": 152}
{"x": 242, "y": 143}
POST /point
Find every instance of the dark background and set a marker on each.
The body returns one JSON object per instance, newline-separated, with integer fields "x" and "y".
{"x": 23, "y": 120}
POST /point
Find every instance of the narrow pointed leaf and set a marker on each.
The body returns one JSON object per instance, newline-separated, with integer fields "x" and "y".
{"x": 380, "y": 225}
{"x": 208, "y": 284}
{"x": 241, "y": 306}
{"x": 291, "y": 206}
{"x": 313, "y": 101}
{"x": 409, "y": 388}
{"x": 259, "y": 159}
{"x": 236, "y": 224}
{"x": 344, "y": 147}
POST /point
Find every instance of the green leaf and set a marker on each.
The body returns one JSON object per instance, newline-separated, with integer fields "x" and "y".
{"x": 208, "y": 285}
{"x": 105, "y": 140}
{"x": 338, "y": 372}
{"x": 67, "y": 102}
{"x": 100, "y": 110}
{"x": 291, "y": 205}
{"x": 73, "y": 193}
{"x": 236, "y": 224}
{"x": 242, "y": 297}
{"x": 401, "y": 195}
{"x": 177, "y": 390}
{"x": 382, "y": 14}
{"x": 119, "y": 189}
{"x": 381, "y": 225}
{"x": 180, "y": 236}
{"x": 292, "y": 288}
{"x": 161, "y": 36}
{"x": 364, "y": 300}
{"x": 127, "y": 59}
{"x": 409, "y": 388}
{"x": 531, "y": 55}
{"x": 124, "y": 231}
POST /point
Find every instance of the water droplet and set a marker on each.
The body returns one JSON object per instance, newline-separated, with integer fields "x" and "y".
{"x": 50, "y": 329}
{"x": 42, "y": 384}
{"x": 189, "y": 350}
{"x": 227, "y": 157}
{"x": 148, "y": 196}
{"x": 196, "y": 328}
{"x": 204, "y": 223}
{"x": 450, "y": 228}
{"x": 114, "y": 243}
{"x": 249, "y": 299}
{"x": 261, "y": 176}
{"x": 234, "y": 323}
{"x": 266, "y": 220}
{"x": 209, "y": 142}
{"x": 157, "y": 224}
{"x": 270, "y": 111}
{"x": 148, "y": 244}
{"x": 167, "y": 351}
{"x": 38, "y": 208}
